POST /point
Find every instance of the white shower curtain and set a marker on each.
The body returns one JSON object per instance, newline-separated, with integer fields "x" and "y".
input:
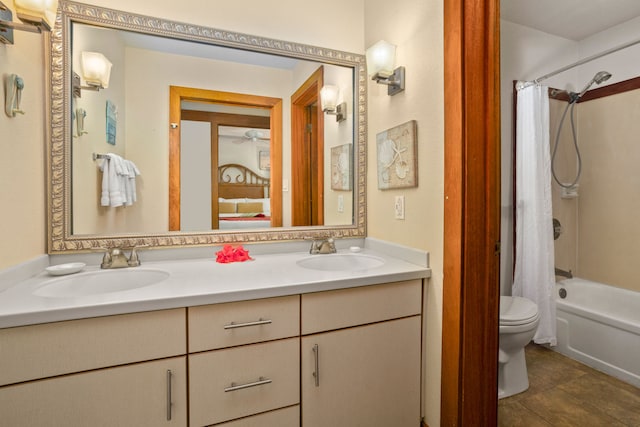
{"x": 534, "y": 276}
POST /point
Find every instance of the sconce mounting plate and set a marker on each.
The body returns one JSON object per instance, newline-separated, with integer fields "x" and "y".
{"x": 75, "y": 84}
{"x": 6, "y": 32}
{"x": 394, "y": 82}
{"x": 397, "y": 81}
{"x": 341, "y": 112}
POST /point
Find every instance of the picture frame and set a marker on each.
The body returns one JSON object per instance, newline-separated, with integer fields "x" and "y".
{"x": 341, "y": 167}
{"x": 111, "y": 122}
{"x": 264, "y": 160}
{"x": 397, "y": 151}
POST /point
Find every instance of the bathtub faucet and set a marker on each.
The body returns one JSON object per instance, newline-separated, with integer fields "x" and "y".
{"x": 564, "y": 273}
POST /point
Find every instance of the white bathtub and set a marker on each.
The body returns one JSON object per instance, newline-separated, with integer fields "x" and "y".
{"x": 599, "y": 325}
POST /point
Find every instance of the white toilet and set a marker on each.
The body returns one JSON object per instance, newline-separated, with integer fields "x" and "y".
{"x": 518, "y": 322}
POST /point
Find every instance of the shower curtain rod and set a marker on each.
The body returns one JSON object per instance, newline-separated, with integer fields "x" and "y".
{"x": 580, "y": 62}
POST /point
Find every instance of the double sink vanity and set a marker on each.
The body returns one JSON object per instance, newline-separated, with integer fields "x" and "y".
{"x": 285, "y": 339}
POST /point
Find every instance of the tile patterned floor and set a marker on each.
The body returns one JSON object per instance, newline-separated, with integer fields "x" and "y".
{"x": 563, "y": 392}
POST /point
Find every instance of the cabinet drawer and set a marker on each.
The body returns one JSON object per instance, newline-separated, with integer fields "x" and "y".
{"x": 40, "y": 351}
{"x": 133, "y": 395}
{"x": 323, "y": 311}
{"x": 287, "y": 417}
{"x": 226, "y": 325}
{"x": 213, "y": 375}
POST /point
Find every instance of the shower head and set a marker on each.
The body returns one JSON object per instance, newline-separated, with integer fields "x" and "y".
{"x": 600, "y": 77}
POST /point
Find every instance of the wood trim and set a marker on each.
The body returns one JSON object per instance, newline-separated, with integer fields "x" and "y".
{"x": 307, "y": 94}
{"x": 178, "y": 94}
{"x": 471, "y": 215}
{"x": 513, "y": 142}
{"x": 612, "y": 89}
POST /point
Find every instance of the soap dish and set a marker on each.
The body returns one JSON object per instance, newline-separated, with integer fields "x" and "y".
{"x": 63, "y": 269}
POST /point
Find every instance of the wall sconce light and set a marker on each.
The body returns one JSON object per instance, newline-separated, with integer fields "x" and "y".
{"x": 329, "y": 100}
{"x": 37, "y": 16}
{"x": 96, "y": 70}
{"x": 381, "y": 58}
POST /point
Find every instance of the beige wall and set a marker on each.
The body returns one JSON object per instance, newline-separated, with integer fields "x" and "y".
{"x": 22, "y": 177}
{"x": 89, "y": 216}
{"x": 600, "y": 226}
{"x": 609, "y": 202}
{"x": 416, "y": 27}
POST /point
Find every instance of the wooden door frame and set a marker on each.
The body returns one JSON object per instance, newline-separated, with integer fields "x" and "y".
{"x": 308, "y": 92}
{"x": 225, "y": 119}
{"x": 471, "y": 213}
{"x": 177, "y": 94}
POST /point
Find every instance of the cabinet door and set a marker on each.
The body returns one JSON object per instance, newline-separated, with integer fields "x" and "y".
{"x": 363, "y": 376}
{"x": 133, "y": 395}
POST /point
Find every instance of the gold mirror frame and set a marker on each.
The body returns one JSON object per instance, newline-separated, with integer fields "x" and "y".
{"x": 61, "y": 240}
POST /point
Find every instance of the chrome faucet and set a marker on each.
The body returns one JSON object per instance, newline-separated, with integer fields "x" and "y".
{"x": 564, "y": 273}
{"x": 323, "y": 246}
{"x": 116, "y": 258}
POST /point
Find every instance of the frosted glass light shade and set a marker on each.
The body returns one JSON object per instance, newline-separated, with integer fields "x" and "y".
{"x": 381, "y": 58}
{"x": 329, "y": 97}
{"x": 35, "y": 10}
{"x": 96, "y": 69}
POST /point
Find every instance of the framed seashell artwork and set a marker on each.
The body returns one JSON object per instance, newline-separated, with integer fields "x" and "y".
{"x": 397, "y": 150}
{"x": 341, "y": 159}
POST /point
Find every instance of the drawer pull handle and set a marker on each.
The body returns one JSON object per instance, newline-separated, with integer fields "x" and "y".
{"x": 258, "y": 322}
{"x": 316, "y": 357}
{"x": 169, "y": 375}
{"x": 234, "y": 387}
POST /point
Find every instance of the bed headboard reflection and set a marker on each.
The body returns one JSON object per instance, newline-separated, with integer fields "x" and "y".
{"x": 237, "y": 181}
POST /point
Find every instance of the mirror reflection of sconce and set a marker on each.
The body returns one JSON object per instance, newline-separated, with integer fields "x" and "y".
{"x": 96, "y": 71}
{"x": 80, "y": 116}
{"x": 37, "y": 16}
{"x": 329, "y": 100}
{"x": 381, "y": 58}
{"x": 12, "y": 94}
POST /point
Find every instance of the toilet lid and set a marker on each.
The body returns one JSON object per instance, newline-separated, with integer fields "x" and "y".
{"x": 517, "y": 310}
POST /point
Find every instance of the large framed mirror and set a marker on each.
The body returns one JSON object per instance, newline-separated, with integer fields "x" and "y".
{"x": 199, "y": 136}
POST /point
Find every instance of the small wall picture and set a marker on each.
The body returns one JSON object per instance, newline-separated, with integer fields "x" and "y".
{"x": 341, "y": 160}
{"x": 264, "y": 160}
{"x": 397, "y": 150}
{"x": 112, "y": 115}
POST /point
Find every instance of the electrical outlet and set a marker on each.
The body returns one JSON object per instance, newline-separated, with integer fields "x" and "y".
{"x": 399, "y": 207}
{"x": 340, "y": 203}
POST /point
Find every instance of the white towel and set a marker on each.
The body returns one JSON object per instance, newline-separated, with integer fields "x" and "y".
{"x": 118, "y": 181}
{"x": 112, "y": 182}
{"x": 130, "y": 182}
{"x": 107, "y": 170}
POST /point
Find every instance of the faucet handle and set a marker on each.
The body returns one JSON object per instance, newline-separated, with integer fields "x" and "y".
{"x": 106, "y": 259}
{"x": 134, "y": 260}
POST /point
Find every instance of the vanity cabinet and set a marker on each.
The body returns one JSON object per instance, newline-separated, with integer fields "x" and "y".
{"x": 115, "y": 370}
{"x": 244, "y": 359}
{"x": 361, "y": 356}
{"x": 333, "y": 358}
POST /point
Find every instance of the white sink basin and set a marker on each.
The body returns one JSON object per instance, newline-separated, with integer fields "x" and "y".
{"x": 100, "y": 282}
{"x": 341, "y": 262}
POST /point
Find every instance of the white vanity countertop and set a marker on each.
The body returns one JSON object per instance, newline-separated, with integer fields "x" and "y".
{"x": 197, "y": 282}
